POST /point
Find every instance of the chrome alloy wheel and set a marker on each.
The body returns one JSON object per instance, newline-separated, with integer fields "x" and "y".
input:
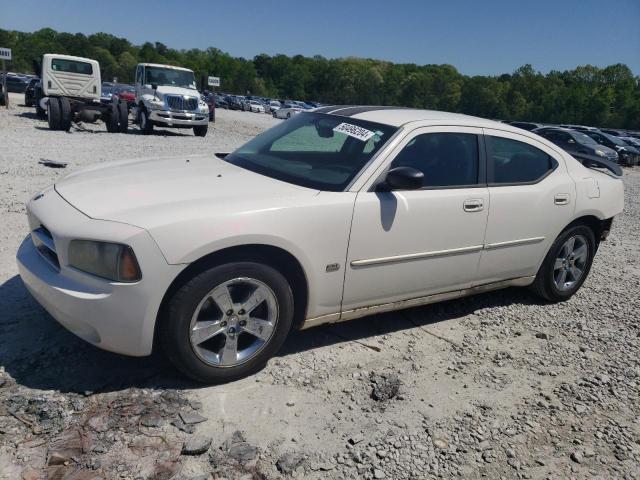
{"x": 571, "y": 262}
{"x": 233, "y": 322}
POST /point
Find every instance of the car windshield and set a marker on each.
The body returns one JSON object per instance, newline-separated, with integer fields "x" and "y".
{"x": 313, "y": 150}
{"x": 584, "y": 139}
{"x": 613, "y": 139}
{"x": 169, "y": 77}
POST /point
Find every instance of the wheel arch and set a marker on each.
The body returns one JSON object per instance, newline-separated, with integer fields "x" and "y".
{"x": 599, "y": 226}
{"x": 276, "y": 257}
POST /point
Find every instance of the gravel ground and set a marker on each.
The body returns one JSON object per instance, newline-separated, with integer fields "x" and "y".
{"x": 499, "y": 385}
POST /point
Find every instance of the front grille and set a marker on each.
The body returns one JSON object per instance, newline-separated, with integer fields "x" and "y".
{"x": 43, "y": 241}
{"x": 177, "y": 102}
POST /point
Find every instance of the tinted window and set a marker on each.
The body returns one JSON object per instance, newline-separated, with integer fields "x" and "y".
{"x": 71, "y": 66}
{"x": 510, "y": 161}
{"x": 446, "y": 159}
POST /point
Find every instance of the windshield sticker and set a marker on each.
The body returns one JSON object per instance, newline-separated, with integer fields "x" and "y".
{"x": 354, "y": 131}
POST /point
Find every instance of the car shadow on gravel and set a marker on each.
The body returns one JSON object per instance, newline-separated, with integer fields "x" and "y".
{"x": 41, "y": 354}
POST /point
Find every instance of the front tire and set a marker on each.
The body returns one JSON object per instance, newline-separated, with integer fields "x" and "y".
{"x": 567, "y": 264}
{"x": 226, "y": 322}
{"x": 146, "y": 127}
{"x": 200, "y": 130}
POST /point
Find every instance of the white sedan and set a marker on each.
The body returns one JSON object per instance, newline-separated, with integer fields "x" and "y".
{"x": 287, "y": 111}
{"x": 333, "y": 215}
{"x": 254, "y": 106}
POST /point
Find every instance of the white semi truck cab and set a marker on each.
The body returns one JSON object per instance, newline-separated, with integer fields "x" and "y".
{"x": 167, "y": 96}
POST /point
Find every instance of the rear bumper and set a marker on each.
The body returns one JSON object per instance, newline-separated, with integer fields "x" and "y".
{"x": 178, "y": 119}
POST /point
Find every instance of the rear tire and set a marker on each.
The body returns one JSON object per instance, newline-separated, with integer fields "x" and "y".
{"x": 201, "y": 130}
{"x": 65, "y": 114}
{"x": 555, "y": 281}
{"x": 123, "y": 117}
{"x": 53, "y": 113}
{"x": 205, "y": 361}
{"x": 112, "y": 119}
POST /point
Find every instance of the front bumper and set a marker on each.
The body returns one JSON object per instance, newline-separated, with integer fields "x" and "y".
{"x": 178, "y": 119}
{"x": 119, "y": 317}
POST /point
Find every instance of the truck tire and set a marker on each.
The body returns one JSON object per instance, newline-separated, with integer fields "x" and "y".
{"x": 53, "y": 113}
{"x": 123, "y": 117}
{"x": 112, "y": 117}
{"x": 65, "y": 114}
{"x": 200, "y": 130}
{"x": 146, "y": 127}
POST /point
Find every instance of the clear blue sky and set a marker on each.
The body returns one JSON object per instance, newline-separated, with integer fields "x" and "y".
{"x": 477, "y": 37}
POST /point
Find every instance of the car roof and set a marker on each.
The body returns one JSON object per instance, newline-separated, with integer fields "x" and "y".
{"x": 399, "y": 116}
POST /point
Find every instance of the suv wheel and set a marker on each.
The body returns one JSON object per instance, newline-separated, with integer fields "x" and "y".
{"x": 567, "y": 264}
{"x": 226, "y": 322}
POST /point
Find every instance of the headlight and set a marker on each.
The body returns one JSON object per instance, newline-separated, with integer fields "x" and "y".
{"x": 601, "y": 153}
{"x": 111, "y": 261}
{"x": 158, "y": 104}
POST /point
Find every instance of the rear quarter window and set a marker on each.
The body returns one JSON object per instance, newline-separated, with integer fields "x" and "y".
{"x": 512, "y": 162}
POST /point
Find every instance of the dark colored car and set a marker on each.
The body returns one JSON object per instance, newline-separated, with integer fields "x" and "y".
{"x": 627, "y": 154}
{"x": 526, "y": 125}
{"x": 30, "y": 92}
{"x": 235, "y": 103}
{"x": 576, "y": 143}
{"x": 613, "y": 131}
{"x": 16, "y": 84}
{"x": 221, "y": 102}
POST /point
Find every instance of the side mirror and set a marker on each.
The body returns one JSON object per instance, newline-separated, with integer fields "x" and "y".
{"x": 154, "y": 86}
{"x": 402, "y": 178}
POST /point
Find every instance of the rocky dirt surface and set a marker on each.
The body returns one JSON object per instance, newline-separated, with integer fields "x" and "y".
{"x": 499, "y": 385}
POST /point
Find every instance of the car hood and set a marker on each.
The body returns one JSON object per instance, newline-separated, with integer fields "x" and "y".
{"x": 152, "y": 191}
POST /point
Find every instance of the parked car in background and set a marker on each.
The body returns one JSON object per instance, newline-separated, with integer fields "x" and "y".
{"x": 106, "y": 92}
{"x": 613, "y": 131}
{"x": 255, "y": 106}
{"x": 16, "y": 83}
{"x": 221, "y": 102}
{"x": 526, "y": 125}
{"x": 627, "y": 154}
{"x": 576, "y": 143}
{"x": 235, "y": 102}
{"x": 274, "y": 105}
{"x": 173, "y": 254}
{"x": 30, "y": 92}
{"x": 126, "y": 93}
{"x": 166, "y": 96}
{"x": 287, "y": 111}
{"x": 633, "y": 141}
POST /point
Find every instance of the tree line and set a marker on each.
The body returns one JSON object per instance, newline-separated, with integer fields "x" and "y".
{"x": 585, "y": 95}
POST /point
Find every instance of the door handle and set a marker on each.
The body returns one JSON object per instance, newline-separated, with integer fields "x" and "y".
{"x": 561, "y": 199}
{"x": 473, "y": 205}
